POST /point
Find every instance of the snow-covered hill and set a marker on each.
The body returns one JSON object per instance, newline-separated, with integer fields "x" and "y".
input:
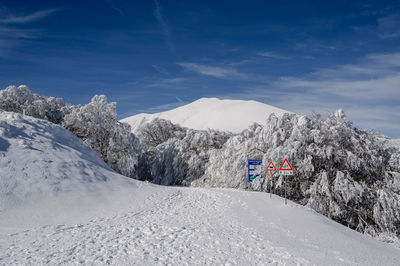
{"x": 211, "y": 113}
{"x": 60, "y": 204}
{"x": 40, "y": 160}
{"x": 46, "y": 172}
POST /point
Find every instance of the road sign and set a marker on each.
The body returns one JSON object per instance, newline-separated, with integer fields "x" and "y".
{"x": 253, "y": 169}
{"x": 286, "y": 168}
{"x": 271, "y": 167}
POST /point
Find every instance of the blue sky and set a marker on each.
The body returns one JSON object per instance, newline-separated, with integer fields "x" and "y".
{"x": 154, "y": 55}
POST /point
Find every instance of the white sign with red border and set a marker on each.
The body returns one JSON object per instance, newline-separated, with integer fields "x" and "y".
{"x": 271, "y": 167}
{"x": 286, "y": 168}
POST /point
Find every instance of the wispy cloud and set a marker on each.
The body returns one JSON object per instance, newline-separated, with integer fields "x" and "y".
{"x": 170, "y": 83}
{"x": 179, "y": 99}
{"x": 15, "y": 28}
{"x": 218, "y": 72}
{"x": 163, "y": 25}
{"x": 369, "y": 90}
{"x": 389, "y": 26}
{"x": 162, "y": 107}
{"x": 273, "y": 55}
{"x": 27, "y": 18}
{"x": 115, "y": 8}
{"x": 386, "y": 27}
{"x": 160, "y": 69}
{"x": 376, "y": 78}
{"x": 12, "y": 33}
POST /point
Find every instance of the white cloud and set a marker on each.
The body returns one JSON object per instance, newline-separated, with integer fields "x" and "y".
{"x": 160, "y": 69}
{"x": 115, "y": 8}
{"x": 10, "y": 33}
{"x": 163, "y": 107}
{"x": 23, "y": 19}
{"x": 170, "y": 83}
{"x": 218, "y": 72}
{"x": 163, "y": 25}
{"x": 272, "y": 55}
{"x": 389, "y": 26}
{"x": 368, "y": 90}
{"x": 376, "y": 77}
{"x": 385, "y": 60}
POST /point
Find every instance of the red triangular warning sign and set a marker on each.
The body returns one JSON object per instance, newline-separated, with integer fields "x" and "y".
{"x": 285, "y": 166}
{"x": 271, "y": 167}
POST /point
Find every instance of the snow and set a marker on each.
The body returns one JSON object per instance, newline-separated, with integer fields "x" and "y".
{"x": 394, "y": 142}
{"x": 60, "y": 204}
{"x": 40, "y": 159}
{"x": 211, "y": 113}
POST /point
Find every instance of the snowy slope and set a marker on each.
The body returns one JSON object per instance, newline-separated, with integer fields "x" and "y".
{"x": 61, "y": 205}
{"x": 46, "y": 171}
{"x": 40, "y": 159}
{"x": 213, "y": 113}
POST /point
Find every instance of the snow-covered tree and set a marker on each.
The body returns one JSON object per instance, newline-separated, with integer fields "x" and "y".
{"x": 176, "y": 155}
{"x": 21, "y": 100}
{"x": 97, "y": 125}
{"x": 340, "y": 171}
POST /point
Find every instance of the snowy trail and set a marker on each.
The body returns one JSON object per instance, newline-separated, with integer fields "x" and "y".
{"x": 190, "y": 226}
{"x": 183, "y": 226}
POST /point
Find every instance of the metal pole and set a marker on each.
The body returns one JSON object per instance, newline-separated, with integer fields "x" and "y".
{"x": 285, "y": 190}
{"x": 270, "y": 184}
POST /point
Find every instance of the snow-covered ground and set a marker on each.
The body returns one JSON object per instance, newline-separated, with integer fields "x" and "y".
{"x": 212, "y": 113}
{"x": 187, "y": 226}
{"x": 60, "y": 204}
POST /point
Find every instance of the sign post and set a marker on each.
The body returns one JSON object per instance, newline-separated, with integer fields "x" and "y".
{"x": 285, "y": 169}
{"x": 270, "y": 168}
{"x": 252, "y": 166}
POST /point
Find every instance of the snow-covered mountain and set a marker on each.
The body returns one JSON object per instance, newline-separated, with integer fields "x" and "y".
{"x": 211, "y": 113}
{"x": 60, "y": 204}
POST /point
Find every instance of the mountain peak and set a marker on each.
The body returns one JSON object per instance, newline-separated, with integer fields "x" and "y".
{"x": 212, "y": 113}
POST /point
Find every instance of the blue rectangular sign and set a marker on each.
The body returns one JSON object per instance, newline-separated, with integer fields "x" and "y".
{"x": 251, "y": 167}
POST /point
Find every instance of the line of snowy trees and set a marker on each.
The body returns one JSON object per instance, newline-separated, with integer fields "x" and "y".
{"x": 95, "y": 123}
{"x": 176, "y": 155}
{"x": 347, "y": 174}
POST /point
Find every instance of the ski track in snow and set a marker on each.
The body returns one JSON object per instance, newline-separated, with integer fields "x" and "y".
{"x": 184, "y": 226}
